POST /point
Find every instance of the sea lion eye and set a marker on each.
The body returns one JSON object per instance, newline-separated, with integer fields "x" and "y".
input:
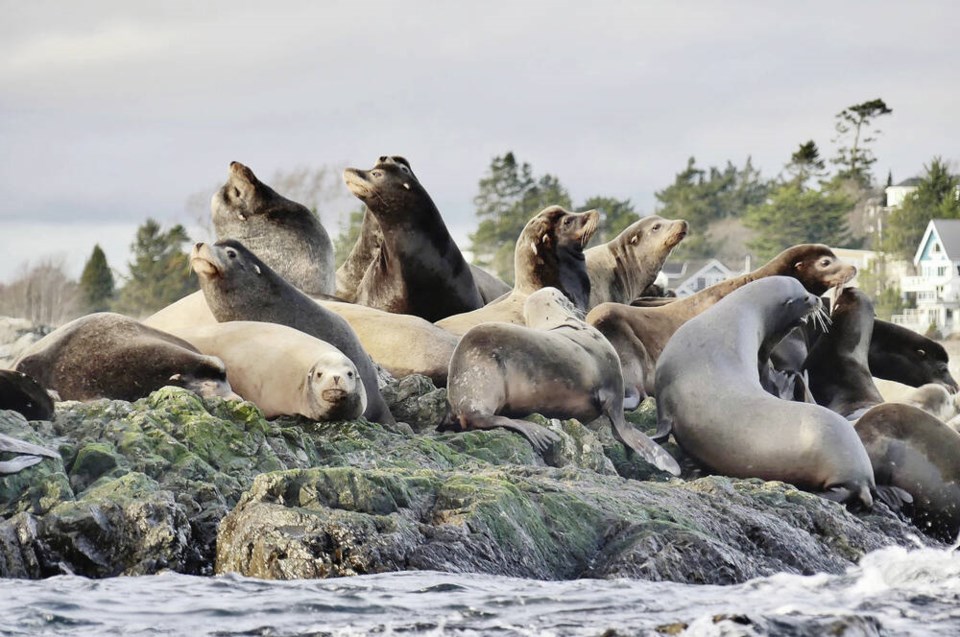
{"x": 232, "y": 254}
{"x": 376, "y": 173}
{"x": 656, "y": 227}
{"x": 349, "y": 374}
{"x": 922, "y": 353}
{"x": 566, "y": 221}
{"x": 825, "y": 262}
{"x": 236, "y": 192}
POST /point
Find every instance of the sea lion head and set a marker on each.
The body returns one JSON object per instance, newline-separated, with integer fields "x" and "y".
{"x": 206, "y": 378}
{"x": 242, "y": 205}
{"x": 851, "y": 317}
{"x": 548, "y": 308}
{"x": 228, "y": 265}
{"x": 644, "y": 235}
{"x": 389, "y": 186}
{"x": 783, "y": 302}
{"x": 817, "y": 267}
{"x": 333, "y": 389}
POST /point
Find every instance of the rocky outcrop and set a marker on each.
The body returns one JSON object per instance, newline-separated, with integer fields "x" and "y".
{"x": 174, "y": 482}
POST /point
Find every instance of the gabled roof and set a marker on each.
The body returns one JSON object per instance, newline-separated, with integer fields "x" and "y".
{"x": 948, "y": 232}
{"x": 910, "y": 183}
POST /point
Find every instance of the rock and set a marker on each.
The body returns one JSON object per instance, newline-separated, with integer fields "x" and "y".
{"x": 175, "y": 482}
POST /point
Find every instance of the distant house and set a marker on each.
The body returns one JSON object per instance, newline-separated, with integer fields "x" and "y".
{"x": 689, "y": 277}
{"x": 896, "y": 194}
{"x": 936, "y": 284}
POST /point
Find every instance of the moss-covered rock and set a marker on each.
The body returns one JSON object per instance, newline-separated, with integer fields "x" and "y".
{"x": 175, "y": 482}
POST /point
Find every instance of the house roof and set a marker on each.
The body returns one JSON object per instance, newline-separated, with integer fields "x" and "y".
{"x": 948, "y": 230}
{"x": 909, "y": 183}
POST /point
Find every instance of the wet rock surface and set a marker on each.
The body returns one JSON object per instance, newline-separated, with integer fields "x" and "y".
{"x": 175, "y": 482}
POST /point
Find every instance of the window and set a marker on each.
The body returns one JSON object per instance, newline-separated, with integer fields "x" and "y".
{"x": 942, "y": 270}
{"x": 936, "y": 247}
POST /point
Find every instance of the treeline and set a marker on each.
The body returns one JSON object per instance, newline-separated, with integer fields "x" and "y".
{"x": 732, "y": 210}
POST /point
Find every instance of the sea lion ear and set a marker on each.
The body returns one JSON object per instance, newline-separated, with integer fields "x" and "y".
{"x": 798, "y": 265}
{"x": 921, "y": 352}
{"x": 634, "y": 239}
{"x": 533, "y": 246}
{"x": 176, "y": 378}
{"x": 545, "y": 239}
{"x": 256, "y": 268}
{"x": 406, "y": 185}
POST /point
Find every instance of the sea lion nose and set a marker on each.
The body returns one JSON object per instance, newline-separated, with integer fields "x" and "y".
{"x": 198, "y": 245}
{"x": 383, "y": 158}
{"x": 337, "y": 380}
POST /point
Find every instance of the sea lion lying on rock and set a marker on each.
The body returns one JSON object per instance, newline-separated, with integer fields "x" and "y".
{"x": 557, "y": 366}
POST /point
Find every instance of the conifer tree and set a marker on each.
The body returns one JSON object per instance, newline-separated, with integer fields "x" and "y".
{"x": 96, "y": 283}
{"x": 160, "y": 272}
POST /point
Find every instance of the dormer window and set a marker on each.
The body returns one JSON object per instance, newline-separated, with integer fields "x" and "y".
{"x": 936, "y": 247}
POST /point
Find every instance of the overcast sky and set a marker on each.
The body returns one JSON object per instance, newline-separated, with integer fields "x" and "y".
{"x": 112, "y": 112}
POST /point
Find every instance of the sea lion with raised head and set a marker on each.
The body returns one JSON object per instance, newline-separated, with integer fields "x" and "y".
{"x": 107, "y": 355}
{"x": 709, "y": 395}
{"x": 902, "y": 355}
{"x": 400, "y": 343}
{"x": 282, "y": 233}
{"x": 838, "y": 371}
{"x": 282, "y": 370}
{"x": 418, "y": 268}
{"x": 623, "y": 268}
{"x": 549, "y": 253}
{"x": 917, "y": 453}
{"x": 238, "y": 286}
{"x": 556, "y": 365}
{"x": 639, "y": 334}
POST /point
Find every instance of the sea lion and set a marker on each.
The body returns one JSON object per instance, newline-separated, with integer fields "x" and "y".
{"x": 549, "y": 252}
{"x": 400, "y": 343}
{"x": 22, "y": 393}
{"x": 623, "y": 268}
{"x": 418, "y": 268}
{"x": 282, "y": 233}
{"x": 282, "y": 370}
{"x": 933, "y": 398}
{"x": 490, "y": 286}
{"x": 28, "y": 454}
{"x": 556, "y": 365}
{"x": 837, "y": 367}
{"x": 238, "y": 286}
{"x": 107, "y": 355}
{"x": 362, "y": 254}
{"x": 709, "y": 395}
{"x": 639, "y": 334}
{"x": 902, "y": 355}
{"x": 916, "y": 452}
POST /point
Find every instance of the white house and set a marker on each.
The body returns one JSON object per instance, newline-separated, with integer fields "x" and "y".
{"x": 936, "y": 283}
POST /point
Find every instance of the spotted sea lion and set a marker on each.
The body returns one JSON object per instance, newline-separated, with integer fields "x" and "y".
{"x": 282, "y": 233}
{"x": 917, "y": 453}
{"x": 418, "y": 268}
{"x": 107, "y": 355}
{"x": 709, "y": 395}
{"x": 556, "y": 365}
{"x": 238, "y": 286}
{"x": 549, "y": 253}
{"x": 639, "y": 334}
{"x": 282, "y": 370}
{"x": 624, "y": 267}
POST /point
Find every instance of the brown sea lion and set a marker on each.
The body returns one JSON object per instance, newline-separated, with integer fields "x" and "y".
{"x": 240, "y": 287}
{"x": 106, "y": 355}
{"x": 418, "y": 268}
{"x": 624, "y": 267}
{"x": 709, "y": 395}
{"x": 282, "y": 233}
{"x": 400, "y": 343}
{"x": 556, "y": 365}
{"x": 549, "y": 253}
{"x": 282, "y": 370}
{"x": 916, "y": 452}
{"x": 639, "y": 334}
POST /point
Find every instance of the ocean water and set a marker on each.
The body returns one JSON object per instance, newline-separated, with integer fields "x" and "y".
{"x": 894, "y": 591}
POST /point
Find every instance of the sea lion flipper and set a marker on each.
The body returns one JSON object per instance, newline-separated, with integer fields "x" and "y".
{"x": 894, "y": 497}
{"x": 18, "y": 464}
{"x": 20, "y": 446}
{"x": 643, "y": 446}
{"x": 540, "y": 437}
{"x": 664, "y": 427}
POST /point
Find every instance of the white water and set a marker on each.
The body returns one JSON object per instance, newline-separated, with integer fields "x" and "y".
{"x": 892, "y": 592}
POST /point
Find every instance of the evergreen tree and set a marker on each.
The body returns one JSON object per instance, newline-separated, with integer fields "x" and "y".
{"x": 853, "y": 156}
{"x": 795, "y": 215}
{"x": 936, "y": 197}
{"x": 96, "y": 283}
{"x": 509, "y": 195}
{"x": 805, "y": 163}
{"x": 615, "y": 216}
{"x": 160, "y": 271}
